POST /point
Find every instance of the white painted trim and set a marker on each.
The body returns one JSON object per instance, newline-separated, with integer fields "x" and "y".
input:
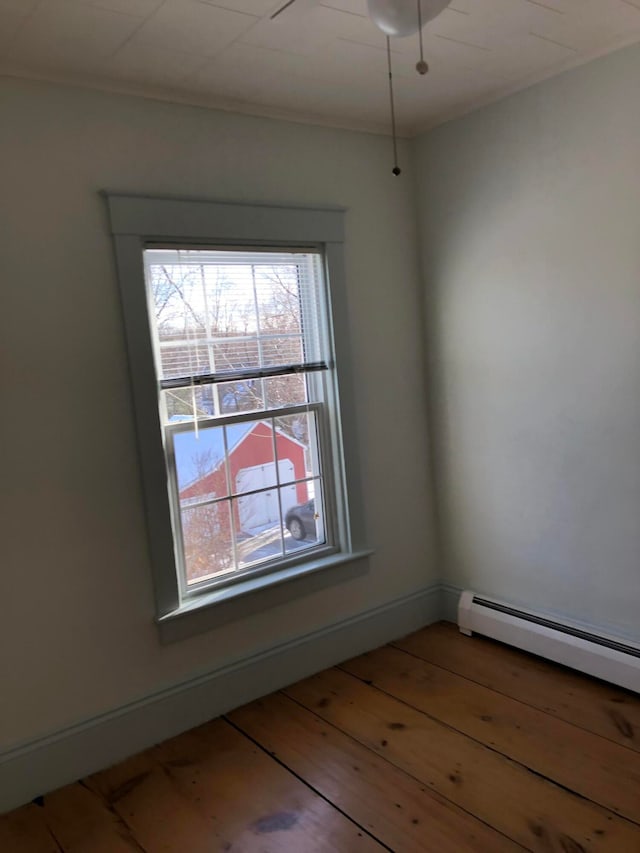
{"x": 449, "y": 598}
{"x": 465, "y": 618}
{"x": 136, "y": 221}
{"x": 166, "y": 94}
{"x": 257, "y": 594}
{"x": 41, "y": 765}
{"x": 156, "y": 218}
{"x": 588, "y": 656}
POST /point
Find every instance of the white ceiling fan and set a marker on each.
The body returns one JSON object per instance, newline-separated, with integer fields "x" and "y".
{"x": 396, "y": 19}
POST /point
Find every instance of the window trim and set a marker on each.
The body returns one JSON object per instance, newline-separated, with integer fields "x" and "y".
{"x": 138, "y": 222}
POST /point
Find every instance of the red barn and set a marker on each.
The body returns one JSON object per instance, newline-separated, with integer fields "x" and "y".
{"x": 252, "y": 468}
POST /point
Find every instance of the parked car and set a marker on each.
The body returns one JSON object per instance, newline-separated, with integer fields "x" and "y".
{"x": 300, "y": 520}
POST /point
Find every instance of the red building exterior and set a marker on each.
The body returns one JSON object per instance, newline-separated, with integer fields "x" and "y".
{"x": 252, "y": 469}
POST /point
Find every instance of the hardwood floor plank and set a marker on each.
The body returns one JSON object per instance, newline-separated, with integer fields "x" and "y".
{"x": 592, "y": 766}
{"x": 396, "y": 808}
{"x": 81, "y": 823}
{"x": 253, "y": 802}
{"x": 24, "y": 830}
{"x": 606, "y": 710}
{"x": 159, "y": 818}
{"x": 439, "y": 743}
{"x": 527, "y": 808}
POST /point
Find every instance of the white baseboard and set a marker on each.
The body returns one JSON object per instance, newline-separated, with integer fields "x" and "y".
{"x": 42, "y": 765}
{"x": 449, "y": 598}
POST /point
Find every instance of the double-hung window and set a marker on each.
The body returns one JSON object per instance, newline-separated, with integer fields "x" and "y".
{"x": 242, "y": 357}
{"x": 232, "y": 350}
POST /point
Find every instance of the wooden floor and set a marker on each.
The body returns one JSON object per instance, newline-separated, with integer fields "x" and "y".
{"x": 435, "y": 743}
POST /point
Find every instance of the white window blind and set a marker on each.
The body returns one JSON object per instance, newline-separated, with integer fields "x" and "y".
{"x": 229, "y": 315}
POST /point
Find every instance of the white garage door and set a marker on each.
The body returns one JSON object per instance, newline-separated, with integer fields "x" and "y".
{"x": 261, "y": 509}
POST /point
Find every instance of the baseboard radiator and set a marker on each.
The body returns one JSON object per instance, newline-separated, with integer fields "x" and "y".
{"x": 605, "y": 657}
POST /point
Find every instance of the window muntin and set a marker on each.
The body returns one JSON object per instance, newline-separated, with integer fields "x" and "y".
{"x": 243, "y": 362}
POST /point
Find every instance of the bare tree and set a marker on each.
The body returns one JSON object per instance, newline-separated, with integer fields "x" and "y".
{"x": 206, "y": 528}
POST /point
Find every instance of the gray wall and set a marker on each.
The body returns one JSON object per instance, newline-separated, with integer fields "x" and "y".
{"x": 77, "y": 635}
{"x": 530, "y": 231}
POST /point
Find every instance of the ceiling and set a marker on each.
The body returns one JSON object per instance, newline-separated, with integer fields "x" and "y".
{"x": 321, "y": 61}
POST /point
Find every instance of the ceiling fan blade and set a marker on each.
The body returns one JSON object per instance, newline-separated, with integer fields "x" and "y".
{"x": 281, "y": 9}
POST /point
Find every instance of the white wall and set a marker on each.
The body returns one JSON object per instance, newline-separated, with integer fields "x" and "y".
{"x": 76, "y": 631}
{"x": 530, "y": 228}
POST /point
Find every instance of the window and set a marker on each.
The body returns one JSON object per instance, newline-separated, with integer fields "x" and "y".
{"x": 235, "y": 370}
{"x": 242, "y": 360}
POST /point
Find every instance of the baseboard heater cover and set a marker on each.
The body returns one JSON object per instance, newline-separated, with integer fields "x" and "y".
{"x": 605, "y": 657}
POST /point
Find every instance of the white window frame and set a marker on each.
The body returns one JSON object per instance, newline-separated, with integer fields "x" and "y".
{"x": 138, "y": 223}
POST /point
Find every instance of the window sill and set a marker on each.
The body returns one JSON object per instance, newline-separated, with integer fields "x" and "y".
{"x": 210, "y": 610}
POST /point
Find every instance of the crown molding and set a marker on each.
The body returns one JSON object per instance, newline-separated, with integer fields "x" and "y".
{"x": 420, "y": 128}
{"x": 268, "y": 111}
{"x": 193, "y": 99}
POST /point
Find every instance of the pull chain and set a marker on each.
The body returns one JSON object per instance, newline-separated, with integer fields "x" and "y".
{"x": 396, "y": 169}
{"x": 421, "y": 66}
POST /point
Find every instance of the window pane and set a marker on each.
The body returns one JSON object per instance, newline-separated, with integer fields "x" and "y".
{"x": 285, "y": 391}
{"x": 211, "y": 314}
{"x": 257, "y": 394}
{"x": 303, "y": 519}
{"x": 180, "y": 357}
{"x": 173, "y": 288}
{"x": 297, "y": 442}
{"x": 236, "y": 354}
{"x": 258, "y": 542}
{"x": 277, "y": 350}
{"x": 251, "y": 461}
{"x": 200, "y": 468}
{"x": 246, "y": 395}
{"x": 207, "y": 541}
{"x": 179, "y": 403}
{"x": 278, "y": 297}
{"x": 253, "y": 352}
